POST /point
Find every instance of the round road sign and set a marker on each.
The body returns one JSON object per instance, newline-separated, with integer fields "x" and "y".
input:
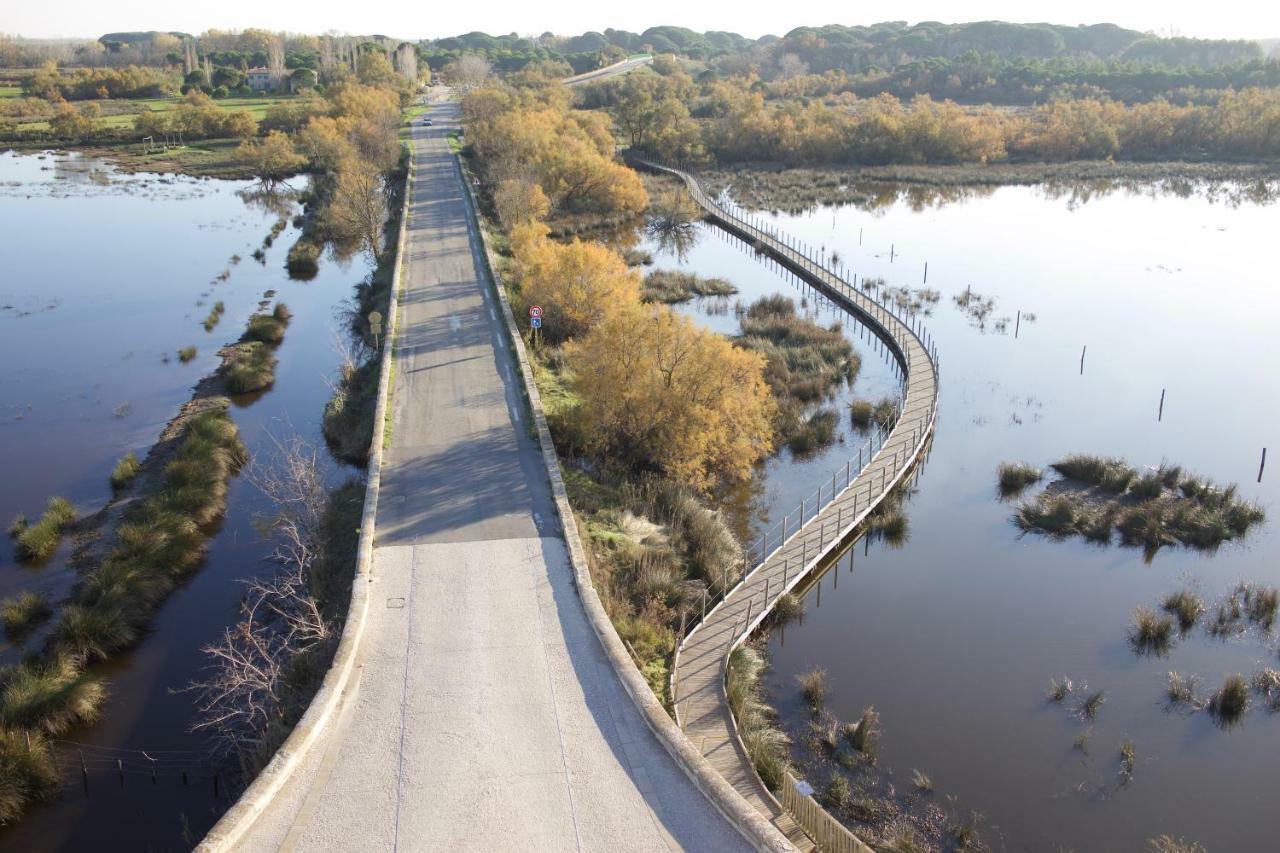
{"x": 535, "y": 310}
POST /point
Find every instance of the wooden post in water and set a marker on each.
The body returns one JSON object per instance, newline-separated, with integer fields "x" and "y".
{"x": 926, "y": 273}
{"x": 891, "y": 250}
{"x": 1160, "y": 414}
{"x": 1018, "y": 324}
{"x": 1263, "y": 464}
{"x": 1083, "y": 350}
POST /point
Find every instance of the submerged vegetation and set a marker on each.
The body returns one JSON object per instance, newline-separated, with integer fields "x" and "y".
{"x": 250, "y": 364}
{"x": 1101, "y": 496}
{"x": 23, "y": 612}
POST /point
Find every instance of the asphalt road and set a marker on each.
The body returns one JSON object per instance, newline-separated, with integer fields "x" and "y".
{"x": 485, "y": 715}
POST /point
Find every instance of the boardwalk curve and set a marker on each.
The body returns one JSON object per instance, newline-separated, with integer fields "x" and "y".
{"x": 786, "y": 553}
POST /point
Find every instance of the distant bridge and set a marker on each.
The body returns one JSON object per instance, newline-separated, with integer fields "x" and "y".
{"x": 629, "y": 64}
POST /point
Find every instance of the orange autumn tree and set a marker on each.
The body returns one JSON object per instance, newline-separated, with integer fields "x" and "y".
{"x": 577, "y": 284}
{"x": 659, "y": 393}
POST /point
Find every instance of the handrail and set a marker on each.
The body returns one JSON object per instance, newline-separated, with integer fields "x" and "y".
{"x": 838, "y": 508}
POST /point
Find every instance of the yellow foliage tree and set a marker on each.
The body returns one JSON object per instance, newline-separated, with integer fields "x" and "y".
{"x": 518, "y": 201}
{"x": 578, "y": 285}
{"x": 659, "y": 393}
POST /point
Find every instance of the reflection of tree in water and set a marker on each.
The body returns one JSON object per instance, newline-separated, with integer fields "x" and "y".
{"x": 673, "y": 222}
{"x": 277, "y": 199}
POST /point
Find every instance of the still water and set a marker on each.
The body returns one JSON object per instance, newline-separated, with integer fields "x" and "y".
{"x": 954, "y": 636}
{"x": 102, "y": 276}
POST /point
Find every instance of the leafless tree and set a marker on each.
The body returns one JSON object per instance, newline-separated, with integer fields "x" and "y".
{"x": 358, "y": 208}
{"x": 280, "y": 616}
{"x": 469, "y": 71}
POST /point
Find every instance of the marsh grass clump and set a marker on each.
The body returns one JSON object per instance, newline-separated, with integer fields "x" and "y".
{"x": 836, "y": 793}
{"x": 1229, "y": 703}
{"x": 1170, "y": 844}
{"x": 813, "y": 684}
{"x": 861, "y": 736}
{"x": 268, "y": 328}
{"x": 303, "y": 260}
{"x": 18, "y": 525}
{"x": 1266, "y": 683}
{"x": 921, "y": 782}
{"x": 186, "y": 354}
{"x": 767, "y": 745}
{"x": 1093, "y": 704}
{"x": 1260, "y": 604}
{"x": 1151, "y": 633}
{"x": 124, "y": 472}
{"x": 787, "y": 608}
{"x": 1053, "y": 514}
{"x": 49, "y": 696}
{"x": 23, "y": 612}
{"x": 1060, "y": 688}
{"x": 214, "y": 316}
{"x": 1014, "y": 477}
{"x": 1128, "y": 755}
{"x": 249, "y": 367}
{"x": 1109, "y": 474}
{"x": 816, "y": 432}
{"x": 28, "y": 772}
{"x": 1151, "y": 511}
{"x": 1186, "y": 606}
{"x": 860, "y": 412}
{"x": 1183, "y": 690}
{"x": 671, "y": 287}
{"x": 38, "y": 541}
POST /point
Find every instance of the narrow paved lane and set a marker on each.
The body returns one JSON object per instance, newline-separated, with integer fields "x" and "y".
{"x": 485, "y": 715}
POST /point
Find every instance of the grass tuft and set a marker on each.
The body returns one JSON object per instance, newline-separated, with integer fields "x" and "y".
{"x": 1183, "y": 690}
{"x": 674, "y": 286}
{"x": 48, "y": 696}
{"x": 249, "y": 367}
{"x": 1151, "y": 633}
{"x": 1112, "y": 475}
{"x": 1014, "y": 477}
{"x": 1093, "y": 704}
{"x": 40, "y": 540}
{"x": 813, "y": 684}
{"x": 1186, "y": 606}
{"x": 1229, "y": 703}
{"x": 186, "y": 354}
{"x": 1060, "y": 688}
{"x": 23, "y": 612}
{"x": 28, "y": 773}
{"x": 124, "y": 472}
{"x": 862, "y": 735}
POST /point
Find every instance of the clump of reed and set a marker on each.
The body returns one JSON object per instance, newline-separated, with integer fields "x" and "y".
{"x": 921, "y": 782}
{"x": 1060, "y": 688}
{"x": 268, "y": 328}
{"x": 836, "y": 793}
{"x": 124, "y": 472}
{"x": 1112, "y": 475}
{"x": 49, "y": 696}
{"x": 1092, "y": 704}
{"x": 22, "y": 613}
{"x": 787, "y": 608}
{"x": 813, "y": 684}
{"x": 28, "y": 773}
{"x": 1170, "y": 844}
{"x": 1151, "y": 633}
{"x": 1186, "y": 606}
{"x": 158, "y": 542}
{"x": 1128, "y": 756}
{"x": 38, "y": 541}
{"x": 1266, "y": 683}
{"x": 862, "y": 735}
{"x": 303, "y": 260}
{"x": 1229, "y": 703}
{"x": 882, "y": 413}
{"x": 1183, "y": 690}
{"x": 1014, "y": 477}
{"x": 249, "y": 367}
{"x": 1247, "y": 602}
{"x": 671, "y": 287}
{"x": 214, "y": 316}
{"x": 767, "y": 745}
{"x": 815, "y": 432}
{"x": 186, "y": 354}
{"x": 348, "y": 416}
{"x": 1152, "y": 511}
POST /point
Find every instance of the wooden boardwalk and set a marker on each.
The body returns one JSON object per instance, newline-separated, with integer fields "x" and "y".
{"x": 803, "y": 539}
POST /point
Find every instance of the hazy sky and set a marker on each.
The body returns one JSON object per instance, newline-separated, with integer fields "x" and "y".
{"x": 1222, "y": 19}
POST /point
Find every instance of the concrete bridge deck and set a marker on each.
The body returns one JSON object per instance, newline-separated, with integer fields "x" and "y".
{"x": 807, "y": 537}
{"x": 484, "y": 713}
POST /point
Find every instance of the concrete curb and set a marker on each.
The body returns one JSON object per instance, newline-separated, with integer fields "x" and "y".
{"x": 754, "y": 828}
{"x": 237, "y": 821}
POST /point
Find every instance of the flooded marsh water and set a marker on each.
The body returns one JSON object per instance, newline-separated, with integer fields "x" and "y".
{"x": 954, "y": 636}
{"x": 104, "y": 274}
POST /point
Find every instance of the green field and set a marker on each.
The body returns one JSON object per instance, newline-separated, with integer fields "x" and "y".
{"x": 10, "y": 92}
{"x": 257, "y": 107}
